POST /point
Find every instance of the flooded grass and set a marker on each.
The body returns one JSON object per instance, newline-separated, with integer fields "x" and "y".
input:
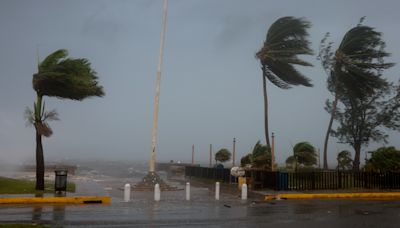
{"x": 22, "y": 186}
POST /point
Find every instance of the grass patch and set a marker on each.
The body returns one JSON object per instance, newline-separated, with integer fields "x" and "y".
{"x": 22, "y": 226}
{"x": 21, "y": 186}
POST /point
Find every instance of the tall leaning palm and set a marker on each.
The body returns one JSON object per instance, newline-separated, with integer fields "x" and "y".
{"x": 64, "y": 78}
{"x": 353, "y": 70}
{"x": 286, "y": 39}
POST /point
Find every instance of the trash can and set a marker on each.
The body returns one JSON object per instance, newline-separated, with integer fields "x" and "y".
{"x": 60, "y": 183}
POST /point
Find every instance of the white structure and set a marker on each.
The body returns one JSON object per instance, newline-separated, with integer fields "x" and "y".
{"x": 127, "y": 193}
{"x": 157, "y": 192}
{"x": 244, "y": 192}
{"x": 217, "y": 191}
{"x": 187, "y": 191}
{"x": 152, "y": 161}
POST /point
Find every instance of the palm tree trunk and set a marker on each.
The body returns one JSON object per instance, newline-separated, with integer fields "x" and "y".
{"x": 265, "y": 108}
{"x": 39, "y": 146}
{"x": 334, "y": 105}
{"x": 39, "y": 163}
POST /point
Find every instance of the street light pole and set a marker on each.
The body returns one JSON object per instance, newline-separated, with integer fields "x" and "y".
{"x": 233, "y": 152}
{"x": 152, "y": 161}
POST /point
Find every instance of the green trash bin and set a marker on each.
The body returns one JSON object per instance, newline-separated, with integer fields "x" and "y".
{"x": 60, "y": 183}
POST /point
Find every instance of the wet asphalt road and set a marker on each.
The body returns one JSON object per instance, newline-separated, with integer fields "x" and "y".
{"x": 204, "y": 211}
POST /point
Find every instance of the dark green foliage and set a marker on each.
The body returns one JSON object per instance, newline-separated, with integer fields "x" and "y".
{"x": 344, "y": 160}
{"x": 61, "y": 77}
{"x": 246, "y": 160}
{"x": 363, "y": 120}
{"x": 291, "y": 162}
{"x": 384, "y": 159}
{"x": 223, "y": 155}
{"x": 67, "y": 78}
{"x": 286, "y": 39}
{"x": 261, "y": 156}
{"x": 354, "y": 77}
{"x": 304, "y": 154}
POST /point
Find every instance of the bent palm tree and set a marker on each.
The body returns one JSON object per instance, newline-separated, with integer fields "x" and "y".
{"x": 354, "y": 69}
{"x": 64, "y": 78}
{"x": 286, "y": 39}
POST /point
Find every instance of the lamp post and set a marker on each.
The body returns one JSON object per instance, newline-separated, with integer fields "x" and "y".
{"x": 233, "y": 152}
{"x": 273, "y": 152}
{"x": 152, "y": 161}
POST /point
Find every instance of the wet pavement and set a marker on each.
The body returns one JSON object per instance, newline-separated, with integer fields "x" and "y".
{"x": 203, "y": 211}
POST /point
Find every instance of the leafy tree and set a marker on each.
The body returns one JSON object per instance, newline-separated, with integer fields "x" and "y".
{"x": 285, "y": 40}
{"x": 245, "y": 160}
{"x": 344, "y": 160}
{"x": 64, "y": 78}
{"x": 304, "y": 154}
{"x": 384, "y": 159}
{"x": 354, "y": 69}
{"x": 291, "y": 162}
{"x": 223, "y": 155}
{"x": 363, "y": 119}
{"x": 261, "y": 156}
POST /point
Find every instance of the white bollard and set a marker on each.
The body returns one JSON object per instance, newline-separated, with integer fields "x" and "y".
{"x": 127, "y": 193}
{"x": 157, "y": 192}
{"x": 244, "y": 192}
{"x": 187, "y": 191}
{"x": 217, "y": 190}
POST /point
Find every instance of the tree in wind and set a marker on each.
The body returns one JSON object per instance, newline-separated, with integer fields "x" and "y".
{"x": 286, "y": 39}
{"x": 64, "y": 78}
{"x": 354, "y": 69}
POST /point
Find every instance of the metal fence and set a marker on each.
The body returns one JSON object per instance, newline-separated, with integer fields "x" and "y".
{"x": 317, "y": 180}
{"x": 223, "y": 175}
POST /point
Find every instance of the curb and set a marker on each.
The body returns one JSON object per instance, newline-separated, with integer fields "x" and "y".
{"x": 62, "y": 200}
{"x": 365, "y": 195}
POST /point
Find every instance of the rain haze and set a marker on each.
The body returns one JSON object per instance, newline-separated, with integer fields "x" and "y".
{"x": 211, "y": 86}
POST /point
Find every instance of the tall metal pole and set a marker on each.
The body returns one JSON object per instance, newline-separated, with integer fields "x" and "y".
{"x": 233, "y": 152}
{"x": 273, "y": 152}
{"x": 210, "y": 155}
{"x": 193, "y": 154}
{"x": 152, "y": 161}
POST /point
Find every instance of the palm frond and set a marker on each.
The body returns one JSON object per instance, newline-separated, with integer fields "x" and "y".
{"x": 67, "y": 79}
{"x": 52, "y": 60}
{"x": 286, "y": 39}
{"x": 29, "y": 117}
{"x": 51, "y": 115}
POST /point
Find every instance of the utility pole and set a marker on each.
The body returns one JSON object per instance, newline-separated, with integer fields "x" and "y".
{"x": 319, "y": 159}
{"x": 273, "y": 152}
{"x": 193, "y": 154}
{"x": 152, "y": 161}
{"x": 233, "y": 152}
{"x": 210, "y": 155}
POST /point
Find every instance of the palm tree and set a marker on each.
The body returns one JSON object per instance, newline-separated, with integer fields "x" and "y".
{"x": 64, "y": 78}
{"x": 354, "y": 69}
{"x": 304, "y": 154}
{"x": 286, "y": 39}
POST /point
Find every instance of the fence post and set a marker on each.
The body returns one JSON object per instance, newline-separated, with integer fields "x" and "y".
{"x": 313, "y": 180}
{"x": 339, "y": 179}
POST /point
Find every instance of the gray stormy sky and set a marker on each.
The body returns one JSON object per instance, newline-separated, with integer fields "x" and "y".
{"x": 211, "y": 87}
